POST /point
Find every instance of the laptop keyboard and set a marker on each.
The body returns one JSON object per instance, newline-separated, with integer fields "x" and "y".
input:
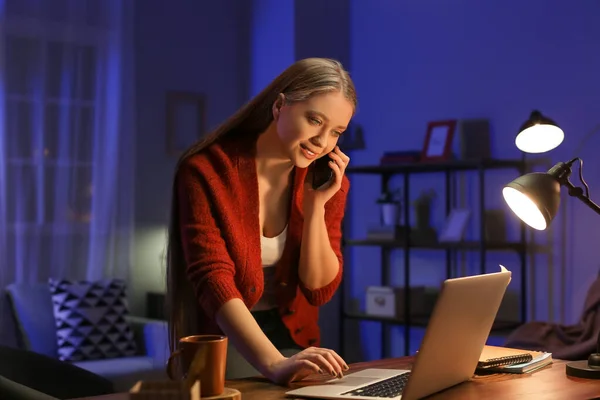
{"x": 390, "y": 387}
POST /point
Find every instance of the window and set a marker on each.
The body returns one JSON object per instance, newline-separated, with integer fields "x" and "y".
{"x": 50, "y": 114}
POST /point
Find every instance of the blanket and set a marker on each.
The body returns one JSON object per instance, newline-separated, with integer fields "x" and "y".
{"x": 566, "y": 342}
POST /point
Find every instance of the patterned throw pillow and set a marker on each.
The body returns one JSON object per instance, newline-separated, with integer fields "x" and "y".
{"x": 90, "y": 320}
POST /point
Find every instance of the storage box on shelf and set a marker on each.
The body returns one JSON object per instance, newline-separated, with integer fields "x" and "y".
{"x": 404, "y": 312}
{"x": 385, "y": 301}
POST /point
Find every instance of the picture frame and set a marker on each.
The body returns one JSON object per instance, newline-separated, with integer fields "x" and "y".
{"x": 456, "y": 223}
{"x": 185, "y": 120}
{"x": 438, "y": 140}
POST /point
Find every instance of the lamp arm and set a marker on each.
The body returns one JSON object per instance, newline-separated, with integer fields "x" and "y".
{"x": 561, "y": 173}
{"x": 575, "y": 191}
{"x": 578, "y": 192}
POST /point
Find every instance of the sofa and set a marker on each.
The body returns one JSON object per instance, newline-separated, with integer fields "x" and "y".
{"x": 35, "y": 330}
{"x": 29, "y": 375}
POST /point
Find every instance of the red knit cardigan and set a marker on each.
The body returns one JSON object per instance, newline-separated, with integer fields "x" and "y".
{"x": 217, "y": 194}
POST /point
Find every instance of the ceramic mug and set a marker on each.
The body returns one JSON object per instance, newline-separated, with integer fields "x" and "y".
{"x": 211, "y": 351}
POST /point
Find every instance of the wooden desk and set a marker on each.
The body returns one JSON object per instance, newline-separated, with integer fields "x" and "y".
{"x": 550, "y": 382}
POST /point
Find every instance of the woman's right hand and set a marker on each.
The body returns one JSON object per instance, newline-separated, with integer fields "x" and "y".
{"x": 309, "y": 361}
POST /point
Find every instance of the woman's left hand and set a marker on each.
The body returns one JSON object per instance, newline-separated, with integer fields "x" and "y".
{"x": 318, "y": 197}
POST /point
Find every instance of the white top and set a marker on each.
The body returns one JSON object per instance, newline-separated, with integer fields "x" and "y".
{"x": 271, "y": 250}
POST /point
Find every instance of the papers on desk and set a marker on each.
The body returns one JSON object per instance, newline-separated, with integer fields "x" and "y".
{"x": 515, "y": 361}
{"x": 524, "y": 368}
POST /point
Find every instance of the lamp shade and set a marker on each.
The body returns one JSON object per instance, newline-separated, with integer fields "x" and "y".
{"x": 534, "y": 198}
{"x": 539, "y": 134}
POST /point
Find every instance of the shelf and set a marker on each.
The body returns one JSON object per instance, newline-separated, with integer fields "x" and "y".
{"x": 458, "y": 165}
{"x": 469, "y": 245}
{"x": 428, "y": 241}
{"x": 422, "y": 321}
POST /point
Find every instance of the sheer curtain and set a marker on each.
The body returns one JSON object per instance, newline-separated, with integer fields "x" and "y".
{"x": 66, "y": 139}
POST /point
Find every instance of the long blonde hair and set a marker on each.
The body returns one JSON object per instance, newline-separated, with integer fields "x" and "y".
{"x": 300, "y": 81}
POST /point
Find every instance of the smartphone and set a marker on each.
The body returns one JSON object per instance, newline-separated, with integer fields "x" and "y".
{"x": 321, "y": 172}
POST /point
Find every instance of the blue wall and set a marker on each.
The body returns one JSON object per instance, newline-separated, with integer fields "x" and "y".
{"x": 196, "y": 46}
{"x": 272, "y": 39}
{"x": 415, "y": 62}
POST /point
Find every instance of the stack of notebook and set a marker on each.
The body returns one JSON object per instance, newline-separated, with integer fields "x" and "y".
{"x": 516, "y": 361}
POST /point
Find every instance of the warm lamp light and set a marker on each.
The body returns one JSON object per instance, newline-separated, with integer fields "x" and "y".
{"x": 535, "y": 198}
{"x": 539, "y": 134}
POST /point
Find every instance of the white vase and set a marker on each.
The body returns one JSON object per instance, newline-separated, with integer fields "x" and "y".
{"x": 389, "y": 213}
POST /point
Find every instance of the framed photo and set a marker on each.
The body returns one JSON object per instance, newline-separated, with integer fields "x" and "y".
{"x": 185, "y": 120}
{"x": 438, "y": 140}
{"x": 454, "y": 230}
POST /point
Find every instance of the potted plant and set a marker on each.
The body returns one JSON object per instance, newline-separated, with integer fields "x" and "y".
{"x": 389, "y": 203}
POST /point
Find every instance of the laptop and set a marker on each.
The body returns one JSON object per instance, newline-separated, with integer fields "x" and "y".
{"x": 456, "y": 334}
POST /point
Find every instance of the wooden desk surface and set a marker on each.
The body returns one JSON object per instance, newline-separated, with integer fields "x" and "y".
{"x": 550, "y": 382}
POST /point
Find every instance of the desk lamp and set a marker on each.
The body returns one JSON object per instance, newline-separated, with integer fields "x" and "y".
{"x": 539, "y": 134}
{"x": 535, "y": 198}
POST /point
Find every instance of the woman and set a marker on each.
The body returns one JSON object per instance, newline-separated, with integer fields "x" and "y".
{"x": 253, "y": 250}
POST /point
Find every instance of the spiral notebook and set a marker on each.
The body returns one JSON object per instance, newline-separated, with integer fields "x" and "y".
{"x": 504, "y": 359}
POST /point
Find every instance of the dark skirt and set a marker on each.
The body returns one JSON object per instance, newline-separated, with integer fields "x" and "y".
{"x": 274, "y": 328}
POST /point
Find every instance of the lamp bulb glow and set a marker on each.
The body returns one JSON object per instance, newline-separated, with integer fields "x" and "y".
{"x": 525, "y": 208}
{"x": 539, "y": 138}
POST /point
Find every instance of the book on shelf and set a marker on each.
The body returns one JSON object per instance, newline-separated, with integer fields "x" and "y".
{"x": 509, "y": 360}
{"x": 400, "y": 157}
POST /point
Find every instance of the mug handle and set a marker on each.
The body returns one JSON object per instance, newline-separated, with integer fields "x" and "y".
{"x": 171, "y": 365}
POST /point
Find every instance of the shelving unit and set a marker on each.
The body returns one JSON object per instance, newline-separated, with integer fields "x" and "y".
{"x": 449, "y": 169}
